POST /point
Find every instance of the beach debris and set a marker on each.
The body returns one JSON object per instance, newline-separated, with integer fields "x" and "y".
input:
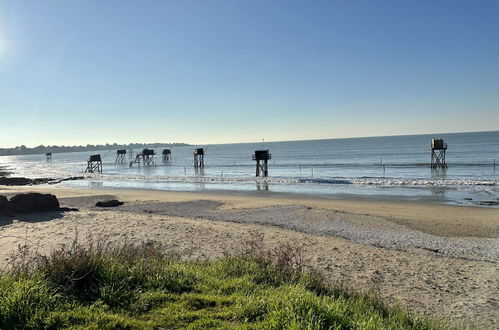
{"x": 33, "y": 202}
{"x": 109, "y": 203}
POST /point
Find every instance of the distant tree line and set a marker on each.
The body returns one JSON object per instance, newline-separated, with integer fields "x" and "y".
{"x": 41, "y": 149}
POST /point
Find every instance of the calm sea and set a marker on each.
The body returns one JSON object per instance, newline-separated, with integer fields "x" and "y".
{"x": 394, "y": 166}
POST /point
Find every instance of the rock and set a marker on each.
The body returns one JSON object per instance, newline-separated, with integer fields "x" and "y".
{"x": 33, "y": 202}
{"x": 110, "y": 203}
{"x": 489, "y": 203}
{"x": 3, "y": 202}
{"x": 15, "y": 181}
{"x": 7, "y": 181}
{"x": 68, "y": 209}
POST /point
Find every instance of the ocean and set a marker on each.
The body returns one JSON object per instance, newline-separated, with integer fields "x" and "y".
{"x": 375, "y": 167}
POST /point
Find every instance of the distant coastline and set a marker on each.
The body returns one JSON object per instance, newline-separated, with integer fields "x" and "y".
{"x": 41, "y": 149}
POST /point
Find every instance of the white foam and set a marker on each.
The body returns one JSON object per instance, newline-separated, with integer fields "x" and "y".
{"x": 290, "y": 180}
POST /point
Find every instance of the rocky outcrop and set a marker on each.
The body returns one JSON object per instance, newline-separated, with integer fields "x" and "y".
{"x": 33, "y": 202}
{"x": 8, "y": 181}
{"x": 5, "y": 181}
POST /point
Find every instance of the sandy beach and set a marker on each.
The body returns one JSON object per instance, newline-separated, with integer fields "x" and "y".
{"x": 434, "y": 259}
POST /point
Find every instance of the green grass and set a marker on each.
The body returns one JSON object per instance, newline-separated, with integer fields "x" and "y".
{"x": 137, "y": 287}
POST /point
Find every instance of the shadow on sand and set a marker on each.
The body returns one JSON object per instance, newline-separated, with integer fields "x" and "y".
{"x": 7, "y": 219}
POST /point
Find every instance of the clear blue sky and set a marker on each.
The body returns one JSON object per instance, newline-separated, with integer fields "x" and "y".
{"x": 78, "y": 72}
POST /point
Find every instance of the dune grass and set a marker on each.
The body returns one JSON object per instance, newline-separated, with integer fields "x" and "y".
{"x": 127, "y": 286}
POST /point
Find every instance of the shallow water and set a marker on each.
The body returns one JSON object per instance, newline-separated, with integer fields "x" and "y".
{"x": 391, "y": 167}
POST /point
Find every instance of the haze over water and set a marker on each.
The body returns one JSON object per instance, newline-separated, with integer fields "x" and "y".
{"x": 394, "y": 166}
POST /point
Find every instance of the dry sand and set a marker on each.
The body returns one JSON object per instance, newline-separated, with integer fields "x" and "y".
{"x": 435, "y": 259}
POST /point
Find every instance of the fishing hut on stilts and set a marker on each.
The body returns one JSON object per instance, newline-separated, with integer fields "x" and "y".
{"x": 49, "y": 156}
{"x": 199, "y": 158}
{"x": 94, "y": 163}
{"x": 262, "y": 157}
{"x": 438, "y": 149}
{"x": 146, "y": 156}
{"x": 120, "y": 156}
{"x": 167, "y": 155}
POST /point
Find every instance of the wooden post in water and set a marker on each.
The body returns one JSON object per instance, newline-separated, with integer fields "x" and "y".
{"x": 262, "y": 158}
{"x": 438, "y": 149}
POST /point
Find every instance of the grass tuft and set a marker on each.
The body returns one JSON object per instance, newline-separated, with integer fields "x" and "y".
{"x": 136, "y": 286}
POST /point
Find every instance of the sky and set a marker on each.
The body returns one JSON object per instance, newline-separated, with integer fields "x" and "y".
{"x": 223, "y": 71}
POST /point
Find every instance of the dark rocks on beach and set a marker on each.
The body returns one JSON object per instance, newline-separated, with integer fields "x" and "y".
{"x": 68, "y": 209}
{"x": 109, "y": 203}
{"x": 33, "y": 202}
{"x": 3, "y": 203}
{"x": 15, "y": 181}
{"x": 488, "y": 203}
{"x": 8, "y": 181}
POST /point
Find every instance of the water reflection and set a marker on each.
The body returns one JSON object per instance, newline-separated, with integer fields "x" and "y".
{"x": 438, "y": 173}
{"x": 96, "y": 184}
{"x": 264, "y": 186}
{"x": 199, "y": 171}
{"x": 437, "y": 191}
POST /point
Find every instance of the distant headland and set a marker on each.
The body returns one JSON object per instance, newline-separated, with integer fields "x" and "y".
{"x": 41, "y": 149}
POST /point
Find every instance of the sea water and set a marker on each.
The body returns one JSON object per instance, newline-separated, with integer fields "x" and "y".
{"x": 385, "y": 167}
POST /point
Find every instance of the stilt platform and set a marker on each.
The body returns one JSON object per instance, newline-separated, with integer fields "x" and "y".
{"x": 262, "y": 157}
{"x": 94, "y": 164}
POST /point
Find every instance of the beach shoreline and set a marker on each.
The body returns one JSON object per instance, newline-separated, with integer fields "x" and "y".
{"x": 434, "y": 259}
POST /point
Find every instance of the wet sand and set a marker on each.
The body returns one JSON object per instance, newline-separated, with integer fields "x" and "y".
{"x": 434, "y": 259}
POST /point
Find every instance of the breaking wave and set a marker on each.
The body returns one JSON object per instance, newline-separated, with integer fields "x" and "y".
{"x": 365, "y": 181}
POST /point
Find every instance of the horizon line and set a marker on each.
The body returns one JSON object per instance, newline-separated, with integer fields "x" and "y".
{"x": 249, "y": 142}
